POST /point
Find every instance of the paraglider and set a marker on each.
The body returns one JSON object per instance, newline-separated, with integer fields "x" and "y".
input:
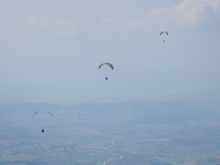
{"x": 38, "y": 112}
{"x": 163, "y": 33}
{"x": 109, "y": 65}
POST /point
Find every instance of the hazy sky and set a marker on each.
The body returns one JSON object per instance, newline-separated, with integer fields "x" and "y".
{"x": 50, "y": 50}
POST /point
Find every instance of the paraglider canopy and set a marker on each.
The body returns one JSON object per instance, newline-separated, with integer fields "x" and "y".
{"x": 164, "y": 32}
{"x": 42, "y": 121}
{"x": 108, "y": 64}
{"x": 36, "y": 113}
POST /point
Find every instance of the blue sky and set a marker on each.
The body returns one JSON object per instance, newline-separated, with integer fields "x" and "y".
{"x": 50, "y": 51}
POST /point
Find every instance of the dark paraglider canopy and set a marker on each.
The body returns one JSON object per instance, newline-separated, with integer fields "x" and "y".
{"x": 164, "y": 32}
{"x": 38, "y": 112}
{"x": 46, "y": 113}
{"x": 108, "y": 64}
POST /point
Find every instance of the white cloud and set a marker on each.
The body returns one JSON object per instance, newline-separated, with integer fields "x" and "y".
{"x": 34, "y": 20}
{"x": 123, "y": 23}
{"x": 187, "y": 12}
{"x": 66, "y": 28}
{"x": 60, "y": 27}
{"x": 136, "y": 24}
{"x": 215, "y": 6}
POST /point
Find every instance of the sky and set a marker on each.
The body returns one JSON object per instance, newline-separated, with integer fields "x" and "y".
{"x": 50, "y": 50}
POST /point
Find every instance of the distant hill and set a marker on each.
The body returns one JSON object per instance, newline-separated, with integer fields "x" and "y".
{"x": 147, "y": 113}
{"x": 208, "y": 95}
{"x": 125, "y": 112}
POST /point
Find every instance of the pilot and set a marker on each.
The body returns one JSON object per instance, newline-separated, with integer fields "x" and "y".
{"x": 42, "y": 130}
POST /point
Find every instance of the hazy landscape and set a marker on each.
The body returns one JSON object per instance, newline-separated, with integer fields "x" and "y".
{"x": 110, "y": 82}
{"x": 125, "y": 133}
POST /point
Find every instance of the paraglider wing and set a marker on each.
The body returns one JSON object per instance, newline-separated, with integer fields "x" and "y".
{"x": 36, "y": 113}
{"x": 44, "y": 117}
{"x": 51, "y": 114}
{"x": 164, "y": 32}
{"x": 108, "y": 64}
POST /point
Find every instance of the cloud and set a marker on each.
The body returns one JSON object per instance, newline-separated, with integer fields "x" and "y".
{"x": 66, "y": 28}
{"x": 34, "y": 20}
{"x": 60, "y": 27}
{"x": 136, "y": 24}
{"x": 67, "y": 18}
{"x": 122, "y": 24}
{"x": 186, "y": 13}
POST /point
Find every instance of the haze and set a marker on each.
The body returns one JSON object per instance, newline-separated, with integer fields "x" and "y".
{"x": 159, "y": 106}
{"x": 50, "y": 50}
